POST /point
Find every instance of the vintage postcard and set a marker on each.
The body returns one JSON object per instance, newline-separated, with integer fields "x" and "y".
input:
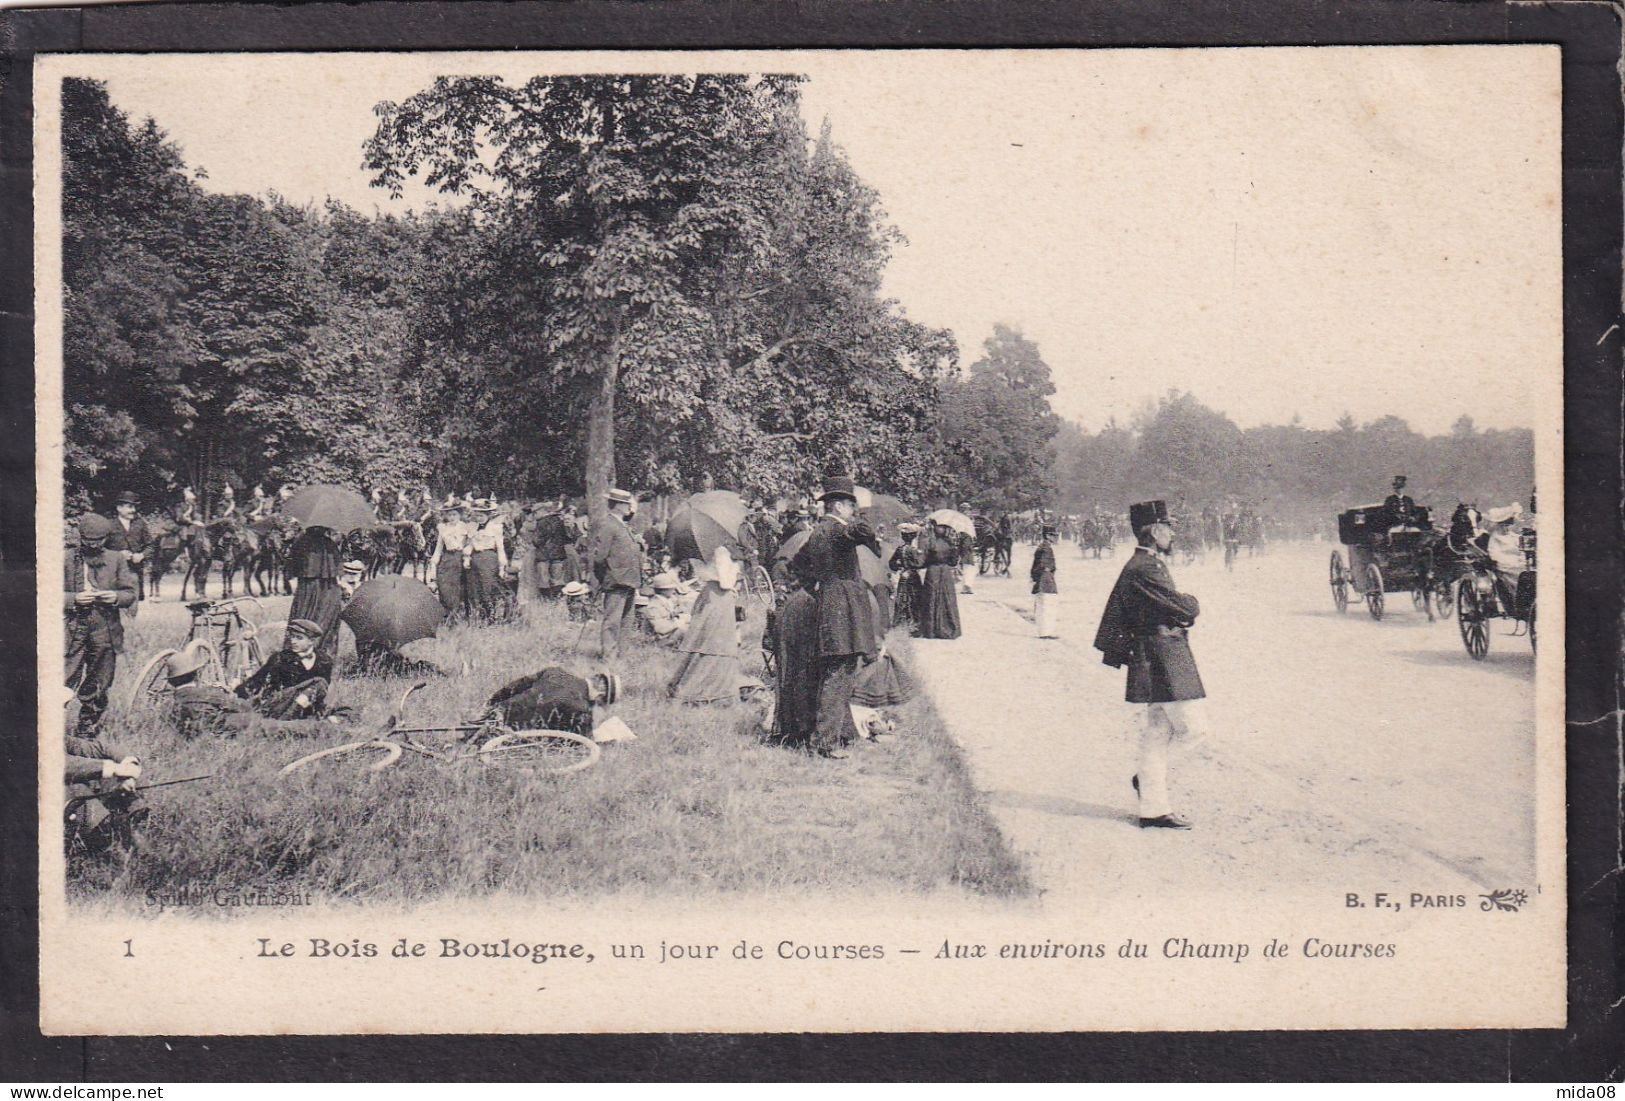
{"x": 833, "y": 541}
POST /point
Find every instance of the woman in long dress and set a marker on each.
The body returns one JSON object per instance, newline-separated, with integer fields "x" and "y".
{"x": 446, "y": 564}
{"x": 486, "y": 557}
{"x": 1045, "y": 599}
{"x": 709, "y": 671}
{"x": 881, "y": 683}
{"x": 939, "y": 602}
{"x": 314, "y": 560}
{"x": 906, "y": 562}
{"x": 795, "y": 652}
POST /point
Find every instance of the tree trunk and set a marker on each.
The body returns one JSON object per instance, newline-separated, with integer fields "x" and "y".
{"x": 600, "y": 449}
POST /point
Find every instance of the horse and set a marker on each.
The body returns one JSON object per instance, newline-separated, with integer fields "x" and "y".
{"x": 412, "y": 549}
{"x": 234, "y": 547}
{"x": 1095, "y": 536}
{"x": 167, "y": 547}
{"x": 269, "y": 564}
{"x": 199, "y": 554}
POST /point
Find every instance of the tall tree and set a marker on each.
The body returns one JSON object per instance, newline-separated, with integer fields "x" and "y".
{"x": 997, "y": 425}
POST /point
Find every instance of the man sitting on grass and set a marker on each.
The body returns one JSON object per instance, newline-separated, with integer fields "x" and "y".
{"x": 293, "y": 681}
{"x": 198, "y": 709}
{"x": 665, "y": 616}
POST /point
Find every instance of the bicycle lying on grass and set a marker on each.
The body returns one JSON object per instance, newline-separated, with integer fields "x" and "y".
{"x": 484, "y": 739}
{"x": 234, "y": 646}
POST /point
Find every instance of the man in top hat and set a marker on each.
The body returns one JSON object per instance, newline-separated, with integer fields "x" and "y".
{"x": 1144, "y": 627}
{"x": 828, "y": 562}
{"x": 618, "y": 565}
{"x": 1401, "y": 509}
{"x": 1045, "y": 594}
{"x": 96, "y": 584}
{"x": 130, "y": 536}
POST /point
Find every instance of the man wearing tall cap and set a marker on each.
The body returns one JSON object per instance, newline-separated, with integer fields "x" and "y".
{"x": 1144, "y": 626}
{"x": 96, "y": 584}
{"x": 828, "y": 562}
{"x": 130, "y": 536}
{"x": 618, "y": 565}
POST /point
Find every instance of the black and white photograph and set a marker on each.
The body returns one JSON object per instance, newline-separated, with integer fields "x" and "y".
{"x": 1017, "y": 541}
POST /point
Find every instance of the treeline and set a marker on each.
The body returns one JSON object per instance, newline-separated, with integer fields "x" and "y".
{"x": 1181, "y": 450}
{"x": 648, "y": 281}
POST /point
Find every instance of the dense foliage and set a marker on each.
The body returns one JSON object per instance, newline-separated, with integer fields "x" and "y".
{"x": 656, "y": 281}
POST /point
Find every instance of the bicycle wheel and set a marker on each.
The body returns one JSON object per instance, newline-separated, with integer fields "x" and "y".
{"x": 391, "y": 753}
{"x": 762, "y": 585}
{"x": 151, "y": 687}
{"x": 552, "y": 752}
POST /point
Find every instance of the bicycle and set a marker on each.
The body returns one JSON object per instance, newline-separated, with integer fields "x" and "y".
{"x": 231, "y": 645}
{"x": 484, "y": 739}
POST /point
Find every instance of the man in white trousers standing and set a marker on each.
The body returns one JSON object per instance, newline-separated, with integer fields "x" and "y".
{"x": 1144, "y": 627}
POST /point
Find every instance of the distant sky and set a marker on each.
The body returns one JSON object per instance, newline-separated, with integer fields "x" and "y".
{"x": 1283, "y": 231}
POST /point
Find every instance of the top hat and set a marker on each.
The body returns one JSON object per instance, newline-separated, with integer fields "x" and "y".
{"x": 1399, "y": 480}
{"x": 1147, "y": 513}
{"x": 1048, "y": 532}
{"x": 128, "y": 498}
{"x": 839, "y": 487}
{"x": 620, "y": 497}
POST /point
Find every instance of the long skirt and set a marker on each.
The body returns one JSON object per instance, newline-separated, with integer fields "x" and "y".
{"x": 319, "y": 600}
{"x": 1046, "y": 607}
{"x": 905, "y": 604}
{"x": 448, "y": 579}
{"x": 709, "y": 670}
{"x": 882, "y": 683}
{"x": 796, "y": 653}
{"x": 939, "y": 604}
{"x": 486, "y": 595}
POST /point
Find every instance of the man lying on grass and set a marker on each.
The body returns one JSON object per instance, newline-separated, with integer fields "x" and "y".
{"x": 555, "y": 700}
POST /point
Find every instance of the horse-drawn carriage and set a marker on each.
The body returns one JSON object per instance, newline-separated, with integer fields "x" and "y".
{"x": 1386, "y": 554}
{"x": 1484, "y": 593}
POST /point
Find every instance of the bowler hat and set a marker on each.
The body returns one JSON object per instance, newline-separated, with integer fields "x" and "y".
{"x": 839, "y": 487}
{"x": 1147, "y": 513}
{"x": 608, "y": 685}
{"x": 307, "y": 627}
{"x": 128, "y": 498}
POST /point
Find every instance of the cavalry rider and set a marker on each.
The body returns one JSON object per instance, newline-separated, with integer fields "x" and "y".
{"x": 187, "y": 514}
{"x": 228, "y": 503}
{"x": 259, "y": 505}
{"x": 1144, "y": 627}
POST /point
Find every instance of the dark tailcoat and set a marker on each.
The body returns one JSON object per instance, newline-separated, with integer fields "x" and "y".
{"x": 1144, "y": 627}
{"x": 134, "y": 541}
{"x": 829, "y": 560}
{"x": 1044, "y": 569}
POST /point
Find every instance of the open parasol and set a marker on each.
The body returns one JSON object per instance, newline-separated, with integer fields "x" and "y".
{"x": 327, "y": 506}
{"x": 870, "y": 564}
{"x": 953, "y": 519}
{"x": 705, "y": 522}
{"x": 393, "y": 609}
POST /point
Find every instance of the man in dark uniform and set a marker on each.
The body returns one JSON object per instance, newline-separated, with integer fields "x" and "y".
{"x": 96, "y": 584}
{"x": 206, "y": 709}
{"x": 618, "y": 565}
{"x": 828, "y": 561}
{"x": 1144, "y": 627}
{"x": 1401, "y": 509}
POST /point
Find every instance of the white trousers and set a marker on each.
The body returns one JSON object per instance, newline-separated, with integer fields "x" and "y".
{"x": 1164, "y": 724}
{"x": 1045, "y": 613}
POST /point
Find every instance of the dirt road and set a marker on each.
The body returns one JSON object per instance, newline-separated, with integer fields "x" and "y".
{"x": 1342, "y": 752}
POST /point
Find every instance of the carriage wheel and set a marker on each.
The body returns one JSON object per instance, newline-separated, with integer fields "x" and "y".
{"x": 391, "y": 752}
{"x": 1339, "y": 581}
{"x": 1475, "y": 631}
{"x": 1373, "y": 591}
{"x": 551, "y": 752}
{"x": 1444, "y": 598}
{"x": 151, "y": 688}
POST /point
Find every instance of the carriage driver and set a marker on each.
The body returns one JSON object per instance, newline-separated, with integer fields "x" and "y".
{"x": 1400, "y": 508}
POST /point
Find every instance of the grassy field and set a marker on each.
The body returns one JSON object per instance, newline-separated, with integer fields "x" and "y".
{"x": 697, "y": 804}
